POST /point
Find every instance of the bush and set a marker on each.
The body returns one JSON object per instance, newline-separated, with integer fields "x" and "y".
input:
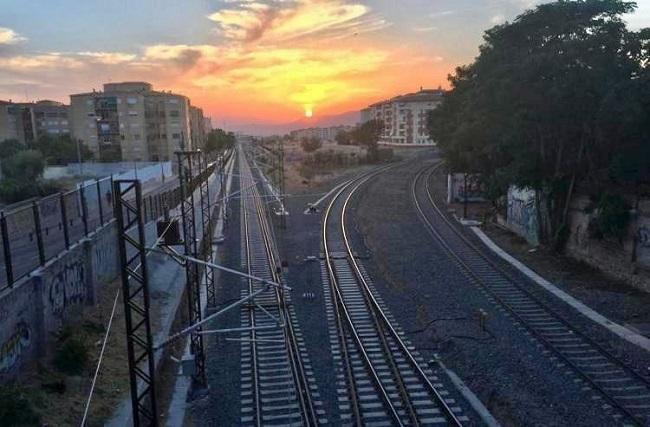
{"x": 71, "y": 355}
{"x": 16, "y": 409}
{"x": 612, "y": 217}
{"x": 25, "y": 165}
{"x": 13, "y": 191}
{"x": 309, "y": 145}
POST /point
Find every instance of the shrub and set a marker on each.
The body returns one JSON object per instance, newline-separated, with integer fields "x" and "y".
{"x": 16, "y": 408}
{"x": 612, "y": 217}
{"x": 71, "y": 355}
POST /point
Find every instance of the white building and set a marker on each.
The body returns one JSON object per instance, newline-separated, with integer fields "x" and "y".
{"x": 405, "y": 117}
{"x": 324, "y": 133}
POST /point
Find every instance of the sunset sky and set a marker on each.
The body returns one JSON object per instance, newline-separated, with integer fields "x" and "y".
{"x": 246, "y": 61}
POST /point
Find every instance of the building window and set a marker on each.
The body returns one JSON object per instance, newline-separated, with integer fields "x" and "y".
{"x": 131, "y": 100}
{"x": 176, "y": 136}
{"x": 174, "y": 113}
{"x": 133, "y": 113}
{"x": 91, "y": 114}
{"x": 136, "y": 136}
{"x": 90, "y": 102}
{"x": 173, "y": 101}
{"x": 64, "y": 122}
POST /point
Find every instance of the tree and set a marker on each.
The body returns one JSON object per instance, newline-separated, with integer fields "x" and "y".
{"x": 309, "y": 145}
{"x": 529, "y": 110}
{"x": 367, "y": 135}
{"x": 343, "y": 138}
{"x": 61, "y": 150}
{"x": 219, "y": 140}
{"x": 10, "y": 147}
{"x": 25, "y": 166}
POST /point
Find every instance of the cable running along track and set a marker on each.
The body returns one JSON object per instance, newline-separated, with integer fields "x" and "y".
{"x": 385, "y": 383}
{"x": 625, "y": 392}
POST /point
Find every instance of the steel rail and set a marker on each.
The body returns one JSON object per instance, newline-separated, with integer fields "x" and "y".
{"x": 300, "y": 379}
{"x": 481, "y": 282}
{"x": 251, "y": 314}
{"x": 342, "y": 308}
{"x": 378, "y": 311}
{"x": 306, "y": 402}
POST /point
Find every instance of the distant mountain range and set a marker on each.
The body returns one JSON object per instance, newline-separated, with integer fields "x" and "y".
{"x": 264, "y": 129}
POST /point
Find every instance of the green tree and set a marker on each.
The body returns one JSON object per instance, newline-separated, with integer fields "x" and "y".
{"x": 309, "y": 145}
{"x": 25, "y": 166}
{"x": 367, "y": 135}
{"x": 10, "y": 147}
{"x": 61, "y": 150}
{"x": 219, "y": 140}
{"x": 343, "y": 138}
{"x": 529, "y": 110}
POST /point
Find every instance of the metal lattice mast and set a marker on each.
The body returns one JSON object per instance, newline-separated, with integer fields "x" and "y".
{"x": 135, "y": 293}
{"x": 207, "y": 226}
{"x": 187, "y": 160}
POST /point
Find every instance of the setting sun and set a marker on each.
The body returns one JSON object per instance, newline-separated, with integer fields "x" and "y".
{"x": 308, "y": 111}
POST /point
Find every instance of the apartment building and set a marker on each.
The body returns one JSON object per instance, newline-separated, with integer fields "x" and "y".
{"x": 130, "y": 121}
{"x": 324, "y": 133}
{"x": 197, "y": 128}
{"x": 405, "y": 116}
{"x": 28, "y": 121}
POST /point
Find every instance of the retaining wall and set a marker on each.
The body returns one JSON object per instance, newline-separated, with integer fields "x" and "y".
{"x": 628, "y": 259}
{"x": 35, "y": 309}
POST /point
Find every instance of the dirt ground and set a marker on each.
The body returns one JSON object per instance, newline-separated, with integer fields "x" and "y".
{"x": 294, "y": 155}
{"x": 60, "y": 399}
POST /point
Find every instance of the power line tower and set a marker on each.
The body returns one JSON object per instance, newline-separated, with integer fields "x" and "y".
{"x": 188, "y": 163}
{"x": 135, "y": 293}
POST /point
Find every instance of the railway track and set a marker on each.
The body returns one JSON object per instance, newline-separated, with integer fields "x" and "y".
{"x": 625, "y": 393}
{"x": 382, "y": 380}
{"x": 277, "y": 386}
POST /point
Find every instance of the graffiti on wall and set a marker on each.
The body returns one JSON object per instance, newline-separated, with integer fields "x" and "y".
{"x": 12, "y": 349}
{"x": 67, "y": 287}
{"x": 105, "y": 262}
{"x": 643, "y": 237}
{"x": 460, "y": 187}
{"x": 522, "y": 213}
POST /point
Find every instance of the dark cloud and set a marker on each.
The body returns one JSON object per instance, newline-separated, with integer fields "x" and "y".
{"x": 188, "y": 58}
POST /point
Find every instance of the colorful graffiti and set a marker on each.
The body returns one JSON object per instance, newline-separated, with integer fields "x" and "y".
{"x": 12, "y": 350}
{"x": 68, "y": 287}
{"x": 522, "y": 213}
{"x": 457, "y": 191}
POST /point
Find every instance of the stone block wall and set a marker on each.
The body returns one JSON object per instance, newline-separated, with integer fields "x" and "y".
{"x": 628, "y": 259}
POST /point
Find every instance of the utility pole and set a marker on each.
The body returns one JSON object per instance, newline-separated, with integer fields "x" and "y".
{"x": 135, "y": 292}
{"x": 187, "y": 163}
{"x": 79, "y": 160}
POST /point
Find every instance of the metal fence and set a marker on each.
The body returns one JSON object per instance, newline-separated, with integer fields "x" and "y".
{"x": 34, "y": 233}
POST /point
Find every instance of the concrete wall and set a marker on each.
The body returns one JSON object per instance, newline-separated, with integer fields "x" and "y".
{"x": 39, "y": 305}
{"x": 456, "y": 188}
{"x": 522, "y": 216}
{"x": 628, "y": 259}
